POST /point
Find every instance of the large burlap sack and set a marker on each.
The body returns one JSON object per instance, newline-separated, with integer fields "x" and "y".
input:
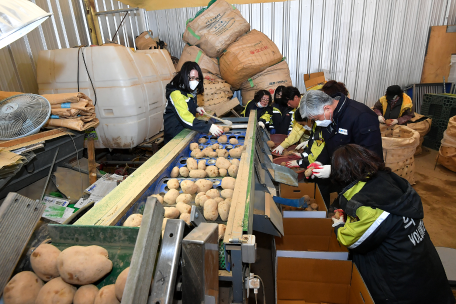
{"x": 248, "y": 56}
{"x": 145, "y": 41}
{"x": 216, "y": 28}
{"x": 447, "y": 151}
{"x": 193, "y": 53}
{"x": 77, "y": 124}
{"x": 421, "y": 124}
{"x": 269, "y": 79}
{"x": 399, "y": 146}
{"x": 216, "y": 91}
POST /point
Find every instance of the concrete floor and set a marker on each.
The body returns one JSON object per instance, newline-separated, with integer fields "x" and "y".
{"x": 437, "y": 189}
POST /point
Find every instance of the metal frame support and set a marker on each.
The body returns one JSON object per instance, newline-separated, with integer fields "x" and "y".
{"x": 237, "y": 273}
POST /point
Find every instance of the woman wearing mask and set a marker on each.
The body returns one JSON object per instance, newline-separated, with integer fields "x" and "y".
{"x": 181, "y": 106}
{"x": 261, "y": 102}
{"x": 282, "y": 114}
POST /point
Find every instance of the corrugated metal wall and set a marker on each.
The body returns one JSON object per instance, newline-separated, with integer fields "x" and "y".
{"x": 368, "y": 44}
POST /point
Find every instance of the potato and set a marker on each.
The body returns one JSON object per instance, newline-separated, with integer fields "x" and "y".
{"x": 203, "y": 185}
{"x": 202, "y": 140}
{"x": 186, "y": 218}
{"x": 213, "y": 193}
{"x": 183, "y": 171}
{"x": 44, "y": 262}
{"x": 223, "y": 210}
{"x": 270, "y": 144}
{"x": 200, "y": 155}
{"x": 120, "y": 283}
{"x": 23, "y": 288}
{"x": 210, "y": 210}
{"x": 306, "y": 198}
{"x": 222, "y": 163}
{"x": 228, "y": 200}
{"x": 226, "y": 129}
{"x": 309, "y": 172}
{"x": 183, "y": 207}
{"x": 213, "y": 155}
{"x": 201, "y": 198}
{"x": 170, "y": 196}
{"x": 222, "y": 153}
{"x": 236, "y": 152}
{"x": 235, "y": 162}
{"x": 107, "y": 295}
{"x": 184, "y": 198}
{"x": 207, "y": 151}
{"x": 85, "y": 294}
{"x": 188, "y": 186}
{"x": 81, "y": 265}
{"x": 314, "y": 206}
{"x": 212, "y": 171}
{"x": 194, "y": 152}
{"x": 223, "y": 172}
{"x": 192, "y": 164}
{"x": 133, "y": 220}
{"x": 234, "y": 141}
{"x": 228, "y": 183}
{"x": 164, "y": 223}
{"x": 222, "y": 139}
{"x": 57, "y": 291}
{"x": 198, "y": 173}
{"x": 159, "y": 197}
{"x": 308, "y": 209}
{"x": 175, "y": 172}
{"x": 171, "y": 212}
{"x": 202, "y": 164}
{"x": 233, "y": 170}
{"x": 173, "y": 184}
{"x": 216, "y": 146}
{"x": 193, "y": 146}
{"x": 221, "y": 231}
{"x": 227, "y": 193}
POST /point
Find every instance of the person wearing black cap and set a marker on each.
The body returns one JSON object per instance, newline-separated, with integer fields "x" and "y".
{"x": 395, "y": 107}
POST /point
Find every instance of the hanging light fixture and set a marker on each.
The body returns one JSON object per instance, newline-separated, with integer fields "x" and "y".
{"x": 18, "y": 18}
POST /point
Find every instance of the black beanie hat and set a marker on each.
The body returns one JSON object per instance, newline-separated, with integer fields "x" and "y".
{"x": 392, "y": 91}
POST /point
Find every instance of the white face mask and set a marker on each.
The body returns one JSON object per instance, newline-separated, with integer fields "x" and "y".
{"x": 193, "y": 84}
{"x": 323, "y": 123}
{"x": 259, "y": 105}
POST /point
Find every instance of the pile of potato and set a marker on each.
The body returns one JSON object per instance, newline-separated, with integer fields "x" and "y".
{"x": 311, "y": 205}
{"x": 62, "y": 270}
{"x": 199, "y": 169}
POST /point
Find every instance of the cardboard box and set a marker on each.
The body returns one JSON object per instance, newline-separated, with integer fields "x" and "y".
{"x": 312, "y": 281}
{"x": 309, "y": 238}
{"x": 313, "y": 75}
{"x": 312, "y": 190}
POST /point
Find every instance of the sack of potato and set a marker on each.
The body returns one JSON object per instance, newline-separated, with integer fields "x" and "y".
{"x": 249, "y": 55}
{"x": 447, "y": 151}
{"x": 215, "y": 28}
{"x": 399, "y": 146}
{"x": 195, "y": 54}
{"x": 269, "y": 79}
{"x": 422, "y": 125}
{"x": 216, "y": 91}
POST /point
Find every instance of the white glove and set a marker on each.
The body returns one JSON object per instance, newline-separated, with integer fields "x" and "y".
{"x": 302, "y": 145}
{"x": 278, "y": 150}
{"x": 325, "y": 172}
{"x": 261, "y": 124}
{"x": 215, "y": 130}
{"x": 337, "y": 222}
{"x": 393, "y": 122}
{"x": 381, "y": 119}
{"x": 200, "y": 110}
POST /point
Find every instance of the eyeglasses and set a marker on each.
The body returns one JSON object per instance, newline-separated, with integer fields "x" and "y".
{"x": 265, "y": 99}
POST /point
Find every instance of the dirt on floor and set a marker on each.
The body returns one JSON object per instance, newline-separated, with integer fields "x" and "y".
{"x": 437, "y": 189}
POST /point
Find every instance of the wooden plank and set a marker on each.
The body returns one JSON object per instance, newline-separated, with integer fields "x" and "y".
{"x": 438, "y": 55}
{"x": 92, "y": 164}
{"x": 243, "y": 185}
{"x": 223, "y": 108}
{"x": 113, "y": 206}
{"x": 31, "y": 139}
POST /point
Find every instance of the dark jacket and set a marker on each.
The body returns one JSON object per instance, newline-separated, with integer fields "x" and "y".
{"x": 353, "y": 123}
{"x": 389, "y": 243}
{"x": 180, "y": 113}
{"x": 263, "y": 114}
{"x": 282, "y": 118}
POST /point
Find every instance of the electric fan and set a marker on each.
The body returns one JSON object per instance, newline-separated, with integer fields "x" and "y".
{"x": 22, "y": 115}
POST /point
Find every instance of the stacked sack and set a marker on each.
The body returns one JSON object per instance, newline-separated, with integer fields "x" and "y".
{"x": 447, "y": 151}
{"x": 71, "y": 110}
{"x": 246, "y": 60}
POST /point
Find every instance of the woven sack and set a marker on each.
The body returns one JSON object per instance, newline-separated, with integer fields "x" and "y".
{"x": 193, "y": 53}
{"x": 269, "y": 79}
{"x": 447, "y": 151}
{"x": 216, "y": 91}
{"x": 422, "y": 125}
{"x": 216, "y": 28}
{"x": 399, "y": 146}
{"x": 248, "y": 56}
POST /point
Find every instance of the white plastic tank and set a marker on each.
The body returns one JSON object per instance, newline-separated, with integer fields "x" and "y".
{"x": 130, "y": 88}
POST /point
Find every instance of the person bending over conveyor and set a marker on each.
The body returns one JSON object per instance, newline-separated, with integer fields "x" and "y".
{"x": 181, "y": 105}
{"x": 283, "y": 110}
{"x": 395, "y": 107}
{"x": 261, "y": 102}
